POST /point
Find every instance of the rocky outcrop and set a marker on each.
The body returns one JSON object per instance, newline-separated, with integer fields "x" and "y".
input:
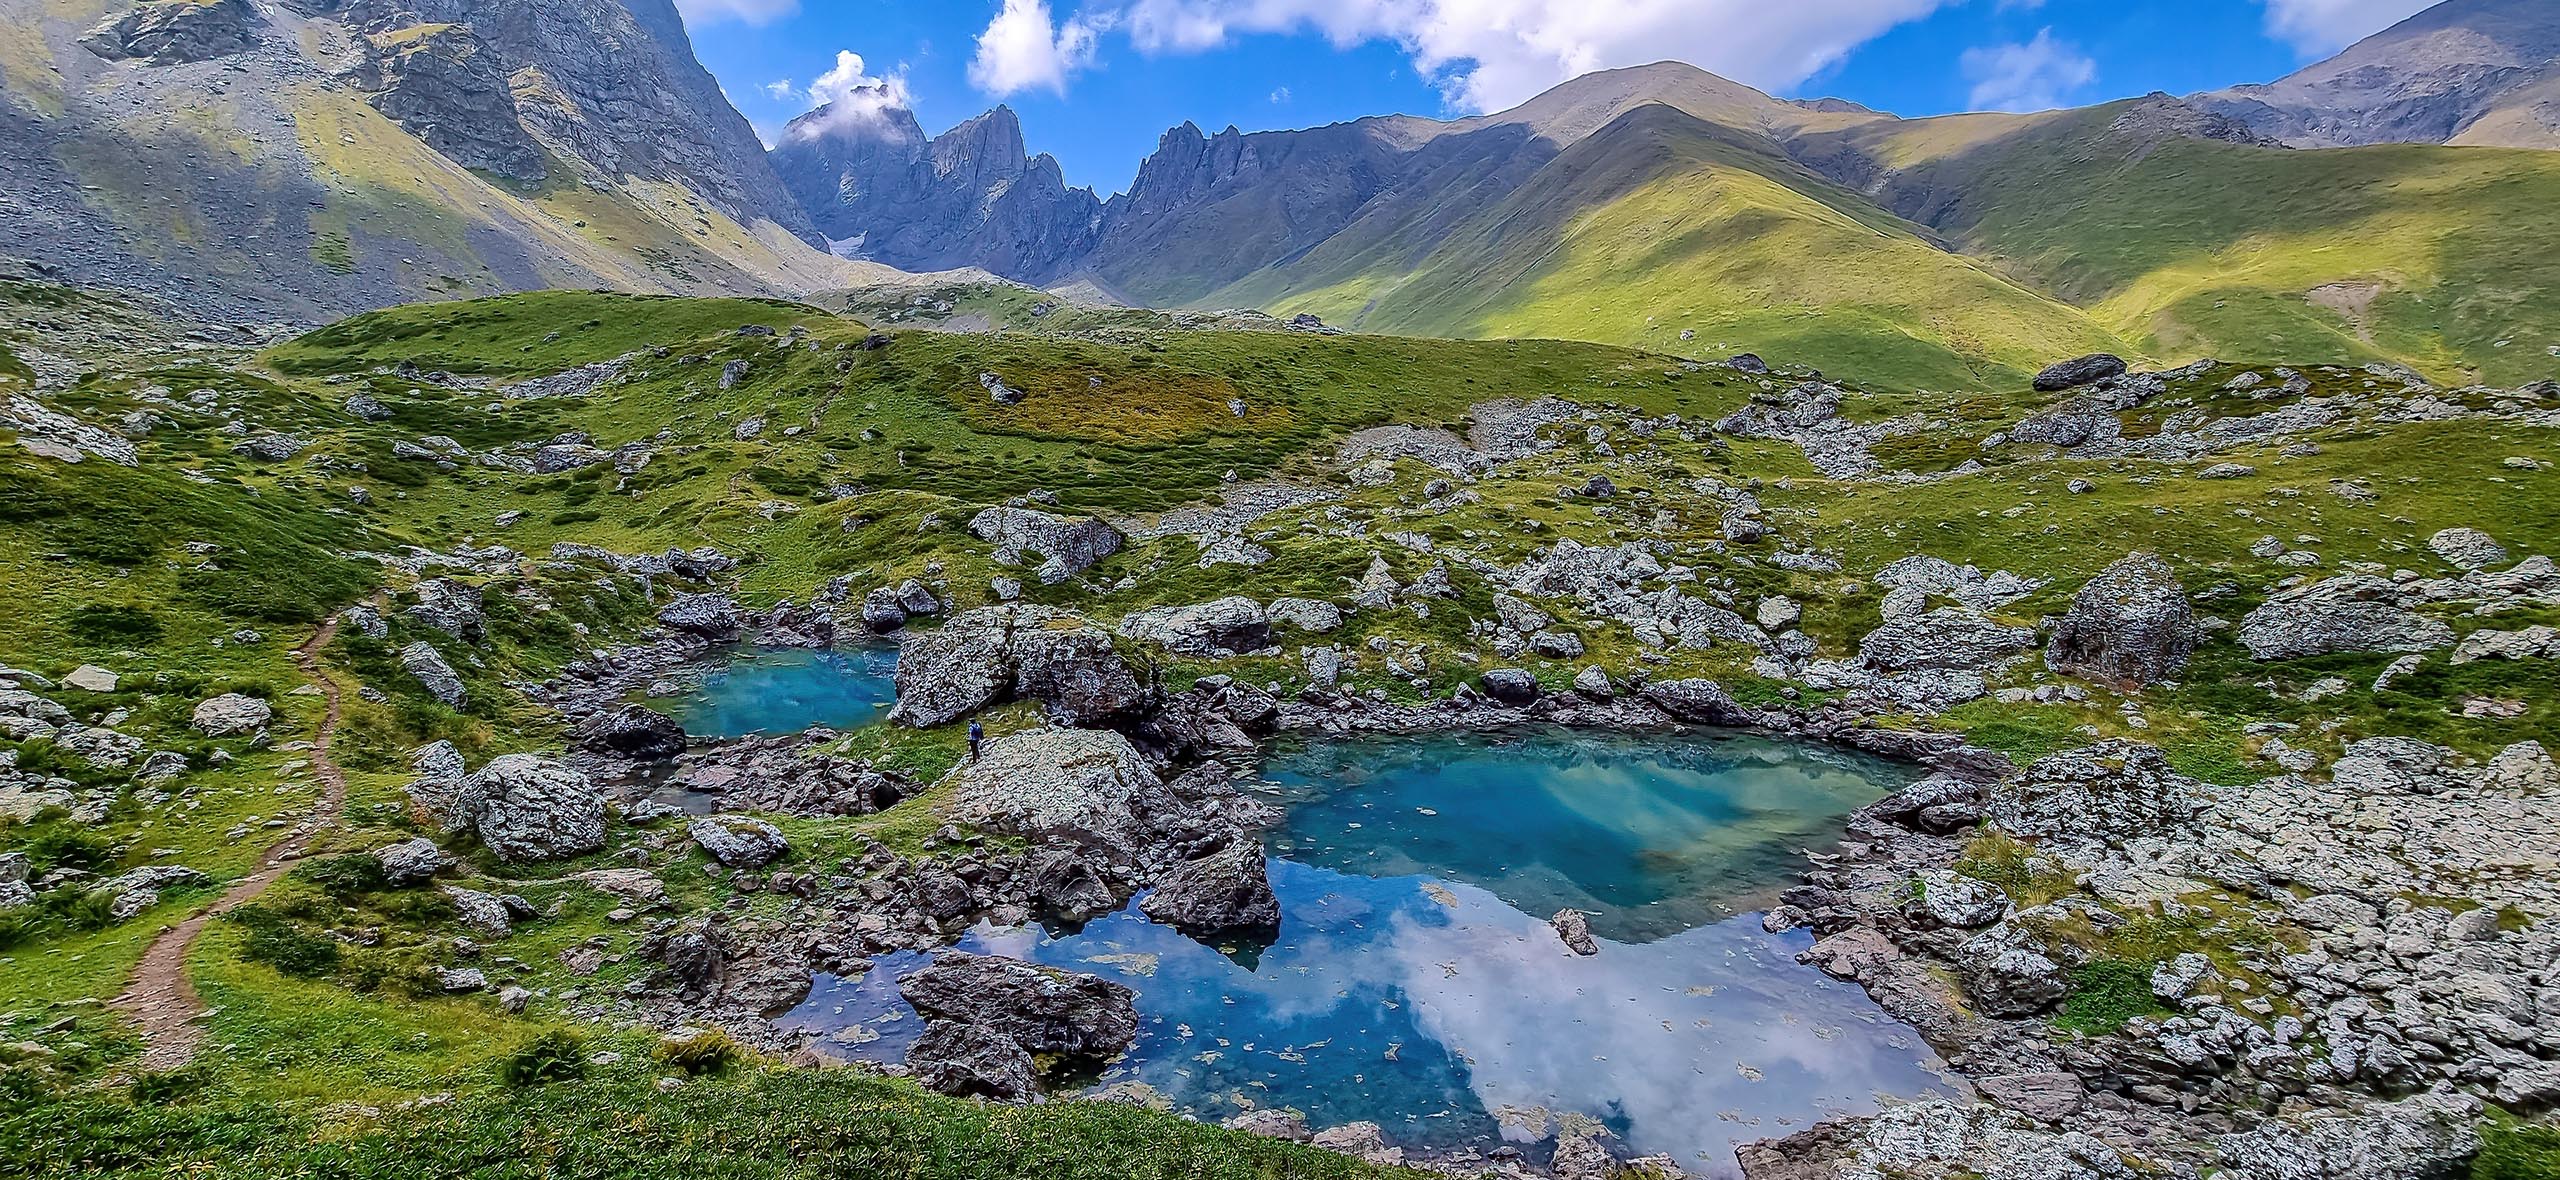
{"x": 2109, "y": 792}
{"x": 428, "y": 667}
{"x": 972, "y": 196}
{"x": 710, "y": 617}
{"x": 2352, "y": 613}
{"x": 1065, "y": 547}
{"x": 1935, "y": 1140}
{"x": 2131, "y": 624}
{"x": 443, "y": 84}
{"x": 230, "y": 715}
{"x": 988, "y": 1019}
{"x": 175, "y": 32}
{"x": 739, "y": 841}
{"x": 2432, "y": 1134}
{"x": 1948, "y": 639}
{"x": 1007, "y": 653}
{"x": 1084, "y": 788}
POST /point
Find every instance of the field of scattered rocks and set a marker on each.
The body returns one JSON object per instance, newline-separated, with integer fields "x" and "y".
{"x": 2236, "y": 856}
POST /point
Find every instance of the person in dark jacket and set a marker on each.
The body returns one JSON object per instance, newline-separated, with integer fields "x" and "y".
{"x": 977, "y": 734}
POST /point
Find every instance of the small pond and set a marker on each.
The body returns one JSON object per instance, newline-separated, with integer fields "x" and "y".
{"x": 785, "y": 690}
{"x": 1415, "y": 981}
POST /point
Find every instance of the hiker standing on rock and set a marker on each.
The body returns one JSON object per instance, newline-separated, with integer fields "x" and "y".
{"x": 977, "y": 734}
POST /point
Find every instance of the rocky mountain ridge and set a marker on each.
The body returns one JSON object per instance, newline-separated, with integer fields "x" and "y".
{"x": 2469, "y": 72}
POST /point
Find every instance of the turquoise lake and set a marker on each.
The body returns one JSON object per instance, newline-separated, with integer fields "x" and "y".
{"x": 1415, "y": 981}
{"x": 786, "y": 690}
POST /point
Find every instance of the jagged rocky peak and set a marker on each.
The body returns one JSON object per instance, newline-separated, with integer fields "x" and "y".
{"x": 2157, "y": 116}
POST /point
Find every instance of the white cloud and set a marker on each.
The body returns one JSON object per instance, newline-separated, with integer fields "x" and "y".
{"x": 752, "y": 12}
{"x": 1280, "y": 96}
{"x": 1024, "y": 48}
{"x": 852, "y": 98}
{"x": 2319, "y": 27}
{"x": 781, "y": 89}
{"x": 1489, "y": 54}
{"x": 2035, "y": 76}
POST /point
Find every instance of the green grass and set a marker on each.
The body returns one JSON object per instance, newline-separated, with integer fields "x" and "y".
{"x": 2513, "y": 1149}
{"x": 496, "y": 337}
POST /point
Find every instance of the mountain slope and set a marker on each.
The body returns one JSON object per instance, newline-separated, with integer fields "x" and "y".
{"x": 249, "y": 160}
{"x": 1675, "y": 233}
{"x": 2474, "y": 72}
{"x": 972, "y": 196}
{"x": 2429, "y": 256}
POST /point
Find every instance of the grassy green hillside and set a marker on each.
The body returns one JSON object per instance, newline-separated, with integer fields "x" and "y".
{"x": 1662, "y": 224}
{"x": 2434, "y": 257}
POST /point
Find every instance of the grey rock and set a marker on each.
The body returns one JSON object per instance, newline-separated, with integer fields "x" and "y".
{"x": 167, "y": 34}
{"x": 2045, "y": 1097}
{"x": 973, "y": 1061}
{"x": 2072, "y": 374}
{"x": 738, "y": 841}
{"x": 2413, "y": 1139}
{"x": 2109, "y": 792}
{"x": 1228, "y": 626}
{"x": 1078, "y": 787}
{"x": 2468, "y": 549}
{"x": 451, "y": 607}
{"x": 2132, "y": 623}
{"x": 529, "y": 808}
{"x": 1226, "y": 891}
{"x": 482, "y": 913}
{"x": 1271, "y": 1124}
{"x": 1946, "y": 639}
{"x": 633, "y": 731}
{"x": 1958, "y": 902}
{"x": 1593, "y": 682}
{"x": 411, "y": 861}
{"x": 2352, "y": 613}
{"x": 714, "y": 617}
{"x": 1700, "y": 702}
{"x": 427, "y": 666}
{"x": 1002, "y": 653}
{"x": 1511, "y": 686}
{"x": 231, "y": 715}
{"x": 1574, "y": 928}
{"x": 1066, "y": 547}
{"x": 1310, "y": 615}
{"x": 1041, "y": 1010}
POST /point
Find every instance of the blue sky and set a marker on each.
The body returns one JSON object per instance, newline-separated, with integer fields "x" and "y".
{"x": 1097, "y": 81}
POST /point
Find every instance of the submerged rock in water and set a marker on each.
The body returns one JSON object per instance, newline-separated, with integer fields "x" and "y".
{"x": 1575, "y": 929}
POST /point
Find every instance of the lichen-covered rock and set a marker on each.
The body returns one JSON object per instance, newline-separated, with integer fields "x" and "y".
{"x": 1224, "y": 892}
{"x": 529, "y": 808}
{"x": 1935, "y": 1140}
{"x": 1083, "y": 787}
{"x": 1958, "y": 902}
{"x": 738, "y": 841}
{"x": 481, "y": 913}
{"x": 1002, "y": 653}
{"x": 2352, "y": 613}
{"x": 991, "y": 1002}
{"x": 451, "y": 607}
{"x": 2106, "y": 793}
{"x": 1945, "y": 639}
{"x": 1700, "y": 702}
{"x": 1066, "y": 547}
{"x": 231, "y": 715}
{"x": 411, "y": 861}
{"x": 2007, "y": 972}
{"x": 1312, "y": 616}
{"x": 2468, "y": 549}
{"x": 973, "y": 1061}
{"x": 2429, "y": 1135}
{"x": 1226, "y": 627}
{"x": 2131, "y": 623}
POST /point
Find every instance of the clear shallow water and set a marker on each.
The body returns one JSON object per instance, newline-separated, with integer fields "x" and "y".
{"x": 786, "y": 690}
{"x": 1416, "y": 983}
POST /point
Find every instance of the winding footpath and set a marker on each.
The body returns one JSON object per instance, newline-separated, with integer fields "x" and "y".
{"x": 162, "y": 1005}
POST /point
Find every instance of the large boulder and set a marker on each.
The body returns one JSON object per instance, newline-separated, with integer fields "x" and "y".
{"x": 2008, "y": 973}
{"x": 2352, "y": 613}
{"x": 1226, "y": 891}
{"x": 529, "y": 808}
{"x": 2468, "y": 549}
{"x": 1949, "y": 638}
{"x": 175, "y": 32}
{"x": 1699, "y": 702}
{"x": 1511, "y": 686}
{"x": 632, "y": 731}
{"x": 2072, "y": 374}
{"x": 2107, "y": 793}
{"x": 713, "y": 617}
{"x": 739, "y": 841}
{"x": 427, "y": 666}
{"x": 976, "y": 1006}
{"x": 451, "y": 607}
{"x": 1002, "y": 653}
{"x": 2432, "y": 1134}
{"x": 231, "y": 715}
{"x": 1229, "y": 626}
{"x": 2131, "y": 623}
{"x": 1065, "y": 547}
{"x": 1080, "y": 787}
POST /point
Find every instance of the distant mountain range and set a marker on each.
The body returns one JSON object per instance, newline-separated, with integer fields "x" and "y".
{"x": 296, "y": 159}
{"x": 1666, "y": 207}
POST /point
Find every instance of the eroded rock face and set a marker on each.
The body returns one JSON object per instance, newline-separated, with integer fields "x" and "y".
{"x": 2353, "y": 613}
{"x": 2132, "y": 623}
{"x": 174, "y": 32}
{"x": 442, "y": 83}
{"x": 529, "y": 808}
{"x": 1002, "y": 653}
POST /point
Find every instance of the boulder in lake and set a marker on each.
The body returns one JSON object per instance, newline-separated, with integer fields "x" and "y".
{"x": 1225, "y": 892}
{"x": 976, "y": 1006}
